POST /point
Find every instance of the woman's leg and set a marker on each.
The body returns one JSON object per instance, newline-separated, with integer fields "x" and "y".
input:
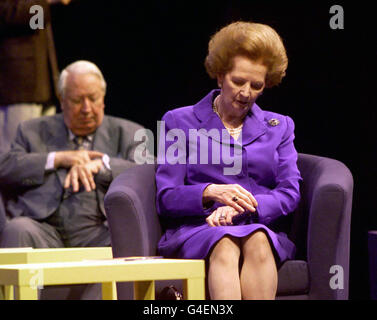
{"x": 223, "y": 272}
{"x": 258, "y": 273}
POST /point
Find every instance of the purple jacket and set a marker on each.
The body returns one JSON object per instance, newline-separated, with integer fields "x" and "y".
{"x": 267, "y": 166}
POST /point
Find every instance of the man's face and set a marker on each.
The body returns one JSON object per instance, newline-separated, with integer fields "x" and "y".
{"x": 83, "y": 103}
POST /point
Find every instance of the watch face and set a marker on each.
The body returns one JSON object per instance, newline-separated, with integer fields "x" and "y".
{"x": 106, "y": 161}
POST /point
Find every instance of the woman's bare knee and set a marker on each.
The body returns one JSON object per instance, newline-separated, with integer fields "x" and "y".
{"x": 257, "y": 247}
{"x": 226, "y": 251}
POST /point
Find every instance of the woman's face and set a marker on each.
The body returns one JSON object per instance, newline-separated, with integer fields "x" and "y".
{"x": 241, "y": 86}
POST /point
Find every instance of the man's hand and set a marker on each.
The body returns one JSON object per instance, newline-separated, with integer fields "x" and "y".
{"x": 67, "y": 159}
{"x": 84, "y": 174}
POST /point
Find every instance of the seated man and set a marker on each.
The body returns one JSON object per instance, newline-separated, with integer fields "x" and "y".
{"x": 59, "y": 167}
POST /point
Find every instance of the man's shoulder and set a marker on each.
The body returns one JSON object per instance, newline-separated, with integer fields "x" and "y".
{"x": 44, "y": 121}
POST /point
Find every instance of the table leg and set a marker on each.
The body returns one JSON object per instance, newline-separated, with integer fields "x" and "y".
{"x": 144, "y": 290}
{"x": 194, "y": 289}
{"x": 26, "y": 293}
{"x": 109, "y": 291}
{"x": 8, "y": 292}
{"x": 2, "y": 292}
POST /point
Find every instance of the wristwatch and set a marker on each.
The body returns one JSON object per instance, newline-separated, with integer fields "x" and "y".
{"x": 106, "y": 161}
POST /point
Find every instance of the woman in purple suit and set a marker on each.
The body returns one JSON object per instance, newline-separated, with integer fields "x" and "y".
{"x": 221, "y": 201}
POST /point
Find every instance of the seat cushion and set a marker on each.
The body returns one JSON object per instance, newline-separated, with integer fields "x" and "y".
{"x": 293, "y": 278}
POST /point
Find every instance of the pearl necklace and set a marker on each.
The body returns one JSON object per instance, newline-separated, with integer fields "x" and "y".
{"x": 232, "y": 131}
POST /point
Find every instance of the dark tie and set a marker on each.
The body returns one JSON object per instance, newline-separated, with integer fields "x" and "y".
{"x": 79, "y": 141}
{"x": 79, "y": 145}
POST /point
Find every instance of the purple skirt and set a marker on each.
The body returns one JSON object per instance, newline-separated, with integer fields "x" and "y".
{"x": 194, "y": 241}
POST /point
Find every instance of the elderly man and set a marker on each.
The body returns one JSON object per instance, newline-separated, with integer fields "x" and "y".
{"x": 59, "y": 167}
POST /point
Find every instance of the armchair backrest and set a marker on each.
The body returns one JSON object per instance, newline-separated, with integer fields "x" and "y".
{"x": 322, "y": 178}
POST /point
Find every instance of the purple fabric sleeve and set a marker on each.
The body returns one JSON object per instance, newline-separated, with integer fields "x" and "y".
{"x": 284, "y": 198}
{"x": 174, "y": 198}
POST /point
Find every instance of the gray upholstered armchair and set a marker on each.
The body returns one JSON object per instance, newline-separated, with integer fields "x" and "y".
{"x": 3, "y": 218}
{"x": 320, "y": 227}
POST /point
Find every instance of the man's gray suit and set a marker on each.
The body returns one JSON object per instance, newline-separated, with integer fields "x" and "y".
{"x": 36, "y": 193}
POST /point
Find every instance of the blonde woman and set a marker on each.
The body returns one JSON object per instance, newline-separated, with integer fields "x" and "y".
{"x": 231, "y": 220}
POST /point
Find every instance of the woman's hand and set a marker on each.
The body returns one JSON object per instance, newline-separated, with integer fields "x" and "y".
{"x": 232, "y": 195}
{"x": 222, "y": 216}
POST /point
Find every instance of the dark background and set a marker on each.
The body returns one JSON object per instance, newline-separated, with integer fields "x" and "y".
{"x": 152, "y": 55}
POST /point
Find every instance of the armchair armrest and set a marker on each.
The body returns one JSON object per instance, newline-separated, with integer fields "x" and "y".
{"x": 328, "y": 192}
{"x": 131, "y": 212}
{"x": 3, "y": 219}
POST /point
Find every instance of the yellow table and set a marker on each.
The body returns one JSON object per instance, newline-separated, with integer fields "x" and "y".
{"x": 30, "y": 255}
{"x": 27, "y": 277}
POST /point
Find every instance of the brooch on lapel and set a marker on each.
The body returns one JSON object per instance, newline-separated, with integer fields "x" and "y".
{"x": 273, "y": 122}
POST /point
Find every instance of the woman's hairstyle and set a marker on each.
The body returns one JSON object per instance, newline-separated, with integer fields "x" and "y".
{"x": 81, "y": 66}
{"x": 253, "y": 40}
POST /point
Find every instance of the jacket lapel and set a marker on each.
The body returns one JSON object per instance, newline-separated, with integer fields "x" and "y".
{"x": 210, "y": 120}
{"x": 103, "y": 135}
{"x": 253, "y": 126}
{"x": 57, "y": 135}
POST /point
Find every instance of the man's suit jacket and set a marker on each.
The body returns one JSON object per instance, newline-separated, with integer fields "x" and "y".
{"x": 28, "y": 62}
{"x": 33, "y": 192}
